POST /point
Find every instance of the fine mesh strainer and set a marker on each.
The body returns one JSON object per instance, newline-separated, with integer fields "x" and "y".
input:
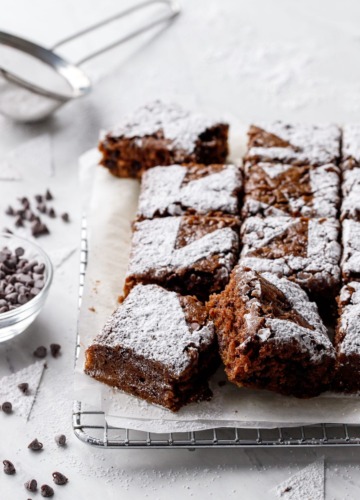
{"x": 23, "y": 100}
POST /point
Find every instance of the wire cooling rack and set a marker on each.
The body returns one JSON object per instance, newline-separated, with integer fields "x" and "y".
{"x": 92, "y": 428}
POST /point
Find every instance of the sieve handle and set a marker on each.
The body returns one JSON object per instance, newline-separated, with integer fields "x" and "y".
{"x": 174, "y": 10}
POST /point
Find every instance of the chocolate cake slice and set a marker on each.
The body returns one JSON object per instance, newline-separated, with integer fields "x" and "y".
{"x": 186, "y": 190}
{"x": 350, "y": 207}
{"x": 285, "y": 189}
{"x": 347, "y": 339}
{"x": 350, "y": 260}
{"x": 192, "y": 255}
{"x": 162, "y": 134}
{"x": 271, "y": 336}
{"x": 305, "y": 250}
{"x": 158, "y": 346}
{"x": 299, "y": 144}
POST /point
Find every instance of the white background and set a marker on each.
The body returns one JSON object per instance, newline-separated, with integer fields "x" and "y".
{"x": 244, "y": 60}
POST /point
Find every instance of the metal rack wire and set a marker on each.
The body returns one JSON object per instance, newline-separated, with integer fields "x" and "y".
{"x": 92, "y": 428}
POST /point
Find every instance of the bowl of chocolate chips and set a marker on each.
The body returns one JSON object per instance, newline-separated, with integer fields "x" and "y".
{"x": 25, "y": 277}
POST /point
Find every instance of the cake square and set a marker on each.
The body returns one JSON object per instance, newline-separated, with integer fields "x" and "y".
{"x": 193, "y": 189}
{"x": 162, "y": 134}
{"x": 192, "y": 255}
{"x": 351, "y": 146}
{"x": 350, "y": 207}
{"x": 304, "y": 250}
{"x": 285, "y": 189}
{"x": 350, "y": 261}
{"x": 298, "y": 144}
{"x": 158, "y": 346}
{"x": 271, "y": 336}
{"x": 347, "y": 340}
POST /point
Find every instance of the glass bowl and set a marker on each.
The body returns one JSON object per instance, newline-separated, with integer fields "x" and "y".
{"x": 14, "y": 322}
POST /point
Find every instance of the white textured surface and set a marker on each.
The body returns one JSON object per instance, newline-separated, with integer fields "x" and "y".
{"x": 151, "y": 323}
{"x": 351, "y": 141}
{"x": 251, "y": 61}
{"x": 163, "y": 191}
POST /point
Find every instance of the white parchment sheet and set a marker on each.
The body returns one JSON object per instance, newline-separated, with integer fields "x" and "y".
{"x": 110, "y": 205}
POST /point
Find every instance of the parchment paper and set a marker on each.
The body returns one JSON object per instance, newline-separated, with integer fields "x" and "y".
{"x": 110, "y": 205}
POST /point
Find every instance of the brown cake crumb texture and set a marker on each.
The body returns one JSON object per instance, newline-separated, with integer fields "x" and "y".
{"x": 347, "y": 340}
{"x": 162, "y": 134}
{"x": 190, "y": 255}
{"x": 158, "y": 346}
{"x": 271, "y": 336}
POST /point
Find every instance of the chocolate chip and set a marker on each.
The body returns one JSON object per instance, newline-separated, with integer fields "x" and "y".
{"x": 31, "y": 485}
{"x": 40, "y": 352}
{"x": 19, "y": 251}
{"x": 46, "y": 491}
{"x": 7, "y": 230}
{"x": 9, "y": 468}
{"x": 55, "y": 350}
{"x": 59, "y": 478}
{"x": 48, "y": 195}
{"x": 39, "y": 269}
{"x": 52, "y": 213}
{"x": 10, "y": 211}
{"x": 39, "y": 229}
{"x": 65, "y": 217}
{"x": 24, "y": 387}
{"x": 23, "y": 298}
{"x": 42, "y": 208}
{"x": 19, "y": 222}
{"x": 7, "y": 407}
{"x": 60, "y": 439}
{"x": 38, "y": 198}
{"x": 35, "y": 445}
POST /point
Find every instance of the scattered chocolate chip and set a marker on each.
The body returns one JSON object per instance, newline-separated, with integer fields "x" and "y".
{"x": 24, "y": 387}
{"x": 31, "y": 485}
{"x": 7, "y": 407}
{"x": 46, "y": 491}
{"x": 39, "y": 229}
{"x": 19, "y": 222}
{"x": 38, "y": 198}
{"x": 55, "y": 350}
{"x": 48, "y": 195}
{"x": 51, "y": 213}
{"x": 65, "y": 217}
{"x": 40, "y": 352}
{"x": 42, "y": 208}
{"x": 59, "y": 478}
{"x": 35, "y": 445}
{"x": 60, "y": 439}
{"x": 7, "y": 230}
{"x": 9, "y": 468}
{"x": 10, "y": 211}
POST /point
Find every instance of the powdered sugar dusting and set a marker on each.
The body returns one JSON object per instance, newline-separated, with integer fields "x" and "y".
{"x": 163, "y": 191}
{"x": 151, "y": 322}
{"x": 153, "y": 247}
{"x": 281, "y": 330}
{"x": 350, "y": 207}
{"x": 350, "y": 262}
{"x": 323, "y": 250}
{"x": 9, "y": 390}
{"x": 349, "y": 321}
{"x": 178, "y": 125}
{"x": 314, "y": 144}
{"x": 307, "y": 484}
